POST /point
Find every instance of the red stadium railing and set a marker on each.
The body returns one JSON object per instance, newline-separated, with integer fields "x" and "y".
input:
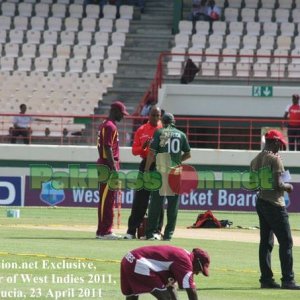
{"x": 202, "y": 132}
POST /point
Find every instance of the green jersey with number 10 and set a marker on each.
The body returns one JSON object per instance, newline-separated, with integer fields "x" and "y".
{"x": 168, "y": 144}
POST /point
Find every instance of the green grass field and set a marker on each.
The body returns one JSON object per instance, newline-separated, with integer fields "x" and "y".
{"x": 51, "y": 253}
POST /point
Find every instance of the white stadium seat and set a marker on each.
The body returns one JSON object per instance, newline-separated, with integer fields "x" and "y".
{"x": 37, "y": 23}
{"x": 225, "y": 69}
{"x": 54, "y": 24}
{"x": 251, "y": 3}
{"x": 236, "y": 28}
{"x": 122, "y": 25}
{"x": 199, "y": 41}
{"x": 174, "y": 68}
{"x": 263, "y": 56}
{"x": 93, "y": 65}
{"x": 231, "y": 14}
{"x": 63, "y": 51}
{"x": 229, "y": 55}
{"x": 109, "y": 11}
{"x": 41, "y": 64}
{"x": 97, "y": 52}
{"x": 59, "y": 10}
{"x": 92, "y": 11}
{"x": 25, "y": 9}
{"x": 126, "y": 12}
{"x": 5, "y": 23}
{"x": 8, "y": 9}
{"x": 42, "y": 10}
{"x": 29, "y": 50}
{"x": 208, "y": 68}
{"x": 46, "y": 50}
{"x": 89, "y": 24}
{"x": 202, "y": 28}
{"x": 80, "y": 51}
{"x": 106, "y": 25}
{"x": 185, "y": 27}
{"x": 76, "y": 11}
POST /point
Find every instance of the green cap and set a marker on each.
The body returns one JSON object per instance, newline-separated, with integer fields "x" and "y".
{"x": 168, "y": 118}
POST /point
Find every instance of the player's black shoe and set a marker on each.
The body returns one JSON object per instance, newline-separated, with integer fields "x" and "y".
{"x": 271, "y": 284}
{"x": 291, "y": 285}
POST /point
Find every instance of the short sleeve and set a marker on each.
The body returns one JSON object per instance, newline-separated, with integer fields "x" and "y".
{"x": 277, "y": 165}
{"x": 155, "y": 141}
{"x": 185, "y": 144}
{"x": 182, "y": 271}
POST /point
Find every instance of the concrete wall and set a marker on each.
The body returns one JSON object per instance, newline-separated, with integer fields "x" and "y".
{"x": 224, "y": 100}
{"x": 88, "y": 154}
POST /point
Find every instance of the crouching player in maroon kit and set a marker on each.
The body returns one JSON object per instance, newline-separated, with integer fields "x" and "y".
{"x": 156, "y": 269}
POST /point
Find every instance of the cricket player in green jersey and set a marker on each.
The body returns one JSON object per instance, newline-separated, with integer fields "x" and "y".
{"x": 169, "y": 148}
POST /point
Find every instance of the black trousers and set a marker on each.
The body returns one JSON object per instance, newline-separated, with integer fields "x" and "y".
{"x": 274, "y": 220}
{"x": 294, "y": 138}
{"x": 16, "y": 131}
{"x": 140, "y": 205}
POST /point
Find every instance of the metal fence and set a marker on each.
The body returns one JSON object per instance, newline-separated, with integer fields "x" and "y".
{"x": 202, "y": 132}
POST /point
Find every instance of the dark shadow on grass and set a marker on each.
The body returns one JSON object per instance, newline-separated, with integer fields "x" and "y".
{"x": 51, "y": 238}
{"x": 229, "y": 289}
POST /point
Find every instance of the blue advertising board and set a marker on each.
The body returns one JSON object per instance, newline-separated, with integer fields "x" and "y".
{"x": 10, "y": 191}
{"x": 198, "y": 199}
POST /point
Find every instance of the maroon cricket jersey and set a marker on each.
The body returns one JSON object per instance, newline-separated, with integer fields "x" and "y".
{"x": 147, "y": 268}
{"x": 108, "y": 135}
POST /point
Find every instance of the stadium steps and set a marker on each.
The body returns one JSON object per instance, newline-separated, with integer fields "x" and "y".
{"x": 133, "y": 54}
{"x": 147, "y": 38}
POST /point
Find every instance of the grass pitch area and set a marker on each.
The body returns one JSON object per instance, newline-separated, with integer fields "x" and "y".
{"x": 52, "y": 253}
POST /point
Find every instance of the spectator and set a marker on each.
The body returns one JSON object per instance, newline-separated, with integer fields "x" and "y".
{"x": 141, "y": 142}
{"x": 212, "y": 11}
{"x": 108, "y": 149}
{"x": 147, "y": 107}
{"x": 272, "y": 213}
{"x": 21, "y": 125}
{"x": 292, "y": 114}
{"x": 169, "y": 149}
{"x": 47, "y": 131}
{"x": 198, "y": 12}
{"x": 157, "y": 269}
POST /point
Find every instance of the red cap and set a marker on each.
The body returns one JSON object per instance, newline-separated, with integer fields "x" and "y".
{"x": 120, "y": 105}
{"x": 203, "y": 258}
{"x": 274, "y": 134}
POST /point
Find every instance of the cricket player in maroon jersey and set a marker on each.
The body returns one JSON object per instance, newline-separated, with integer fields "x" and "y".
{"x": 156, "y": 269}
{"x": 108, "y": 149}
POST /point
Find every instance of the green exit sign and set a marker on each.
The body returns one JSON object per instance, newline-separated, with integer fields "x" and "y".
{"x": 262, "y": 91}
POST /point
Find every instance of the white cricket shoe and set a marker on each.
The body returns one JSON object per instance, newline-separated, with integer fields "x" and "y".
{"x": 128, "y": 236}
{"x": 155, "y": 237}
{"x": 111, "y": 236}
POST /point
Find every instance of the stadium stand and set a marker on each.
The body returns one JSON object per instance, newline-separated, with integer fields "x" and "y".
{"x": 265, "y": 30}
{"x": 61, "y": 39}
{"x": 52, "y": 39}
